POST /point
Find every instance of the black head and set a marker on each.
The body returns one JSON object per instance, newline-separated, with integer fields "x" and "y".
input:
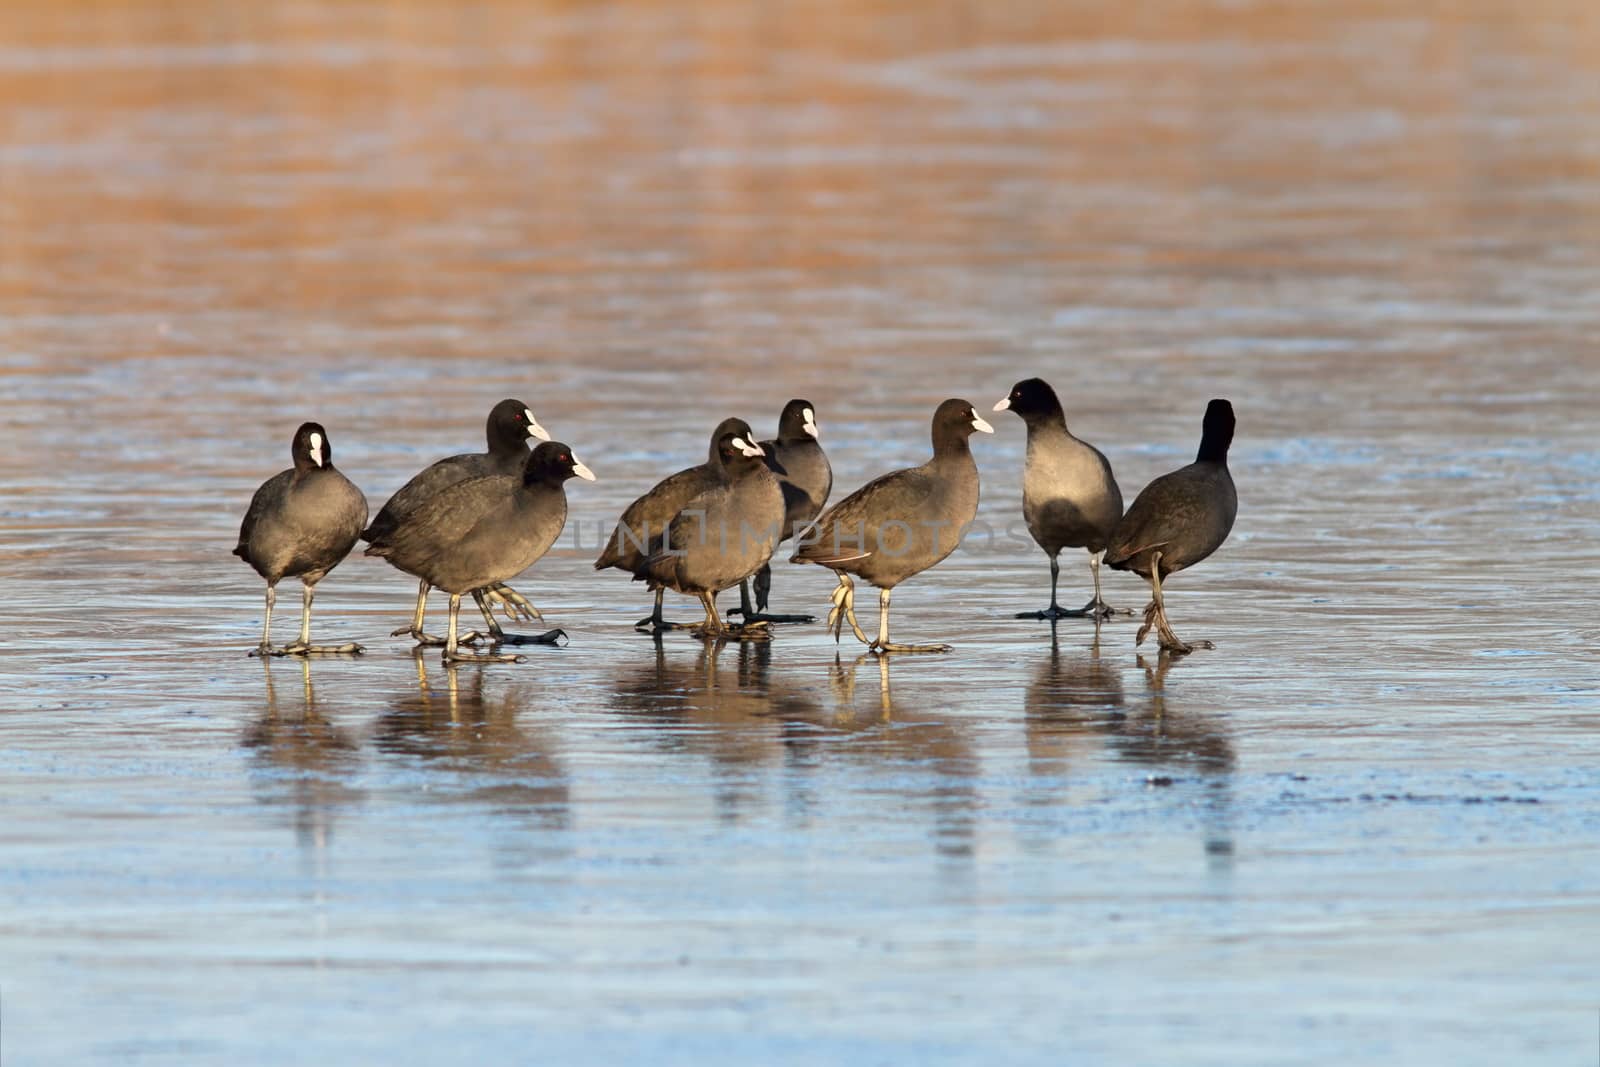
{"x": 510, "y": 424}
{"x": 738, "y": 452}
{"x": 311, "y": 447}
{"x": 954, "y": 422}
{"x": 1033, "y": 399}
{"x": 1216, "y": 432}
{"x": 798, "y": 421}
{"x": 553, "y": 463}
{"x": 735, "y": 427}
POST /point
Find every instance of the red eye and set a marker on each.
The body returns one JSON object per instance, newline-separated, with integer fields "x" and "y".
{"x": 565, "y": 457}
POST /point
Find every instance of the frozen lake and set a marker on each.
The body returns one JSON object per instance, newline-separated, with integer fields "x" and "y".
{"x": 1365, "y": 828}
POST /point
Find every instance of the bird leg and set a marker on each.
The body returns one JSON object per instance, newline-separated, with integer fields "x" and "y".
{"x": 1094, "y": 609}
{"x": 1155, "y": 615}
{"x": 451, "y": 652}
{"x": 711, "y": 625}
{"x": 744, "y": 607}
{"x": 763, "y": 583}
{"x": 754, "y": 627}
{"x": 512, "y": 604}
{"x": 654, "y": 624}
{"x": 883, "y": 644}
{"x": 1054, "y": 611}
{"x": 415, "y": 630}
{"x": 1097, "y": 608}
{"x": 304, "y": 647}
{"x": 484, "y": 597}
{"x": 265, "y": 647}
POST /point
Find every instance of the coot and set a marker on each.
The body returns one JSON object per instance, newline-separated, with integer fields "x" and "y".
{"x": 484, "y": 530}
{"x": 1178, "y": 520}
{"x": 301, "y": 523}
{"x": 899, "y": 524}
{"x": 1069, "y": 497}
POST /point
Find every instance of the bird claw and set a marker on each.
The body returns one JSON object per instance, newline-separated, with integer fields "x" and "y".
{"x": 549, "y": 637}
{"x": 763, "y": 618}
{"x": 512, "y": 604}
{"x": 453, "y": 658}
{"x": 1150, "y": 613}
{"x": 299, "y": 648}
{"x": 750, "y": 631}
{"x": 651, "y": 626}
{"x": 889, "y": 646}
{"x": 1094, "y": 609}
{"x": 422, "y": 637}
{"x": 1098, "y": 609}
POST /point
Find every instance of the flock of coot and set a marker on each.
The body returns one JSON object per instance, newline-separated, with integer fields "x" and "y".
{"x": 467, "y": 524}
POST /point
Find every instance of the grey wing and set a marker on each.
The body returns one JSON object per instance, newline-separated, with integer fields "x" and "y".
{"x": 1158, "y": 515}
{"x": 270, "y": 490}
{"x": 447, "y": 517}
{"x": 431, "y": 480}
{"x": 645, "y": 520}
{"x": 1111, "y": 479}
{"x": 850, "y": 528}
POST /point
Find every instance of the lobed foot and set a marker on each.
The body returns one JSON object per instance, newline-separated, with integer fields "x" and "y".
{"x": 1098, "y": 609}
{"x": 1094, "y": 609}
{"x": 1150, "y": 613}
{"x": 549, "y": 637}
{"x": 510, "y": 603}
{"x": 1168, "y": 641}
{"x": 750, "y": 631}
{"x": 299, "y": 649}
{"x": 453, "y": 658}
{"x": 1050, "y": 614}
{"x": 763, "y": 617}
{"x": 421, "y": 637}
{"x": 890, "y": 646}
{"x": 836, "y": 613}
{"x": 656, "y": 627}
{"x": 844, "y": 608}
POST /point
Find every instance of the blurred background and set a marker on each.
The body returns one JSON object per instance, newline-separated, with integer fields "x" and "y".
{"x": 1363, "y": 828}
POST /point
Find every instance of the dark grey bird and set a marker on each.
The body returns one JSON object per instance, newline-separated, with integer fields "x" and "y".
{"x": 806, "y": 479}
{"x": 723, "y": 535}
{"x": 1178, "y": 520}
{"x": 899, "y": 524}
{"x": 644, "y": 521}
{"x": 1069, "y": 497}
{"x": 484, "y": 530}
{"x": 507, "y": 430}
{"x": 301, "y": 523}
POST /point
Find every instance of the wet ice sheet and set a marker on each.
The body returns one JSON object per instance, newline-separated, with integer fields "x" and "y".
{"x": 1364, "y": 827}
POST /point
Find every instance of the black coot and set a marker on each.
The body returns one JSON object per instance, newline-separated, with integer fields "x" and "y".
{"x": 1178, "y": 520}
{"x": 509, "y": 427}
{"x": 1069, "y": 497}
{"x": 806, "y": 479}
{"x": 900, "y": 524}
{"x": 644, "y": 521}
{"x": 484, "y": 530}
{"x": 301, "y": 523}
{"x": 726, "y": 533}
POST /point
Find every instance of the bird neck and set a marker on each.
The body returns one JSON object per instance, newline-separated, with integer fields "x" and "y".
{"x": 1046, "y": 420}
{"x": 952, "y": 448}
{"x": 1213, "y": 451}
